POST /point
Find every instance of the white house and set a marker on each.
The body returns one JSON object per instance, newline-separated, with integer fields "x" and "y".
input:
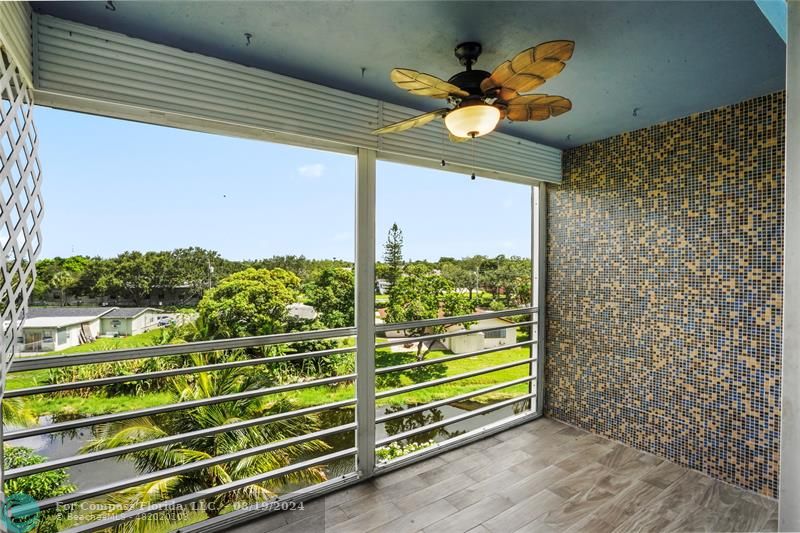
{"x": 301, "y": 311}
{"x": 123, "y": 321}
{"x": 48, "y": 329}
{"x": 382, "y": 286}
{"x": 482, "y": 339}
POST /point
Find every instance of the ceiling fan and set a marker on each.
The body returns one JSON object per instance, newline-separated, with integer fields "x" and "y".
{"x": 480, "y": 99}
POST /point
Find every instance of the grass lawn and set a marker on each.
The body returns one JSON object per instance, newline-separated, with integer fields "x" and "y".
{"x": 96, "y": 404}
{"x": 148, "y": 338}
{"x": 464, "y": 386}
{"x": 153, "y": 337}
{"x": 90, "y": 405}
{"x": 320, "y": 395}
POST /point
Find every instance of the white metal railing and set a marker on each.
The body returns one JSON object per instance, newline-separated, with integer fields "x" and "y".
{"x": 527, "y": 400}
{"x": 364, "y": 435}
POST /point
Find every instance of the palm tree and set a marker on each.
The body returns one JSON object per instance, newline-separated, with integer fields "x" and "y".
{"x": 15, "y": 413}
{"x": 208, "y": 385}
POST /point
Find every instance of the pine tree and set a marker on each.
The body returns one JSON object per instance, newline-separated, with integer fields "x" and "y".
{"x": 393, "y": 253}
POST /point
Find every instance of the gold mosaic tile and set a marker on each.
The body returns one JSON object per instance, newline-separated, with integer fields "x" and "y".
{"x": 665, "y": 290}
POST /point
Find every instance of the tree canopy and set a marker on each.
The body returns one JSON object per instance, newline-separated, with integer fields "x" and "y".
{"x": 420, "y": 295}
{"x": 250, "y": 302}
{"x": 393, "y": 253}
{"x": 332, "y": 293}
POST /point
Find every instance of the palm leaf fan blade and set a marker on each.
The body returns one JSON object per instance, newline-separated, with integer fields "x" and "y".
{"x": 537, "y": 107}
{"x": 530, "y": 68}
{"x": 423, "y": 84}
{"x": 413, "y": 122}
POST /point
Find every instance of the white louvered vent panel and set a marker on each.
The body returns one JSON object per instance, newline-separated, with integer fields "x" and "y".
{"x": 78, "y": 61}
{"x": 15, "y": 33}
{"x": 85, "y": 61}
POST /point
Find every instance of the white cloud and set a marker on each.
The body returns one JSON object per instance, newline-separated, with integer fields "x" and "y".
{"x": 315, "y": 170}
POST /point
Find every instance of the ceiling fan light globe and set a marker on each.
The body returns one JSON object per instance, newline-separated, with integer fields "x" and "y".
{"x": 473, "y": 120}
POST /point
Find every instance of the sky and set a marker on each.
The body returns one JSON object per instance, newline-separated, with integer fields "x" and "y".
{"x": 113, "y": 185}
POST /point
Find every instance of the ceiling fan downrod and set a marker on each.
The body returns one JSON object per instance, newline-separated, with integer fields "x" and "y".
{"x": 467, "y": 53}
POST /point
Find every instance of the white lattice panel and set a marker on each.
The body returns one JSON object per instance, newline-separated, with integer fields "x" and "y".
{"x": 21, "y": 205}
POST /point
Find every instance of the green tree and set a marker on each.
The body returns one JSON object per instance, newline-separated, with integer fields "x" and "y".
{"x": 246, "y": 303}
{"x": 382, "y": 270}
{"x": 38, "y": 486}
{"x": 393, "y": 253}
{"x": 332, "y": 294}
{"x": 420, "y": 295}
{"x": 474, "y": 265}
{"x": 196, "y": 267}
{"x": 62, "y": 281}
{"x": 209, "y": 385}
{"x": 40, "y": 288}
{"x": 87, "y": 284}
{"x": 135, "y": 274}
{"x": 75, "y": 264}
{"x": 459, "y": 276}
{"x": 510, "y": 276}
{"x": 15, "y": 413}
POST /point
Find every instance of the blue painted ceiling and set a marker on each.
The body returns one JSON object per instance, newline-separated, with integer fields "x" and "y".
{"x": 635, "y": 63}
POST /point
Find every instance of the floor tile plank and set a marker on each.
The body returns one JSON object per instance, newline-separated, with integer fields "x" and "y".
{"x": 543, "y": 477}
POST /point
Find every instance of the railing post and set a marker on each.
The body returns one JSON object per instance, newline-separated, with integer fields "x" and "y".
{"x": 538, "y": 302}
{"x": 365, "y": 312}
{"x": 789, "y": 493}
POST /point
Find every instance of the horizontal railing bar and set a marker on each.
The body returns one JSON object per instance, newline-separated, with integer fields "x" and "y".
{"x": 66, "y": 499}
{"x": 151, "y": 411}
{"x": 450, "y": 379}
{"x": 171, "y": 439}
{"x": 25, "y": 364}
{"x": 447, "y": 401}
{"x": 207, "y": 493}
{"x": 482, "y": 432}
{"x": 453, "y": 420}
{"x": 437, "y": 336}
{"x": 99, "y": 382}
{"x": 456, "y": 357}
{"x": 475, "y": 317}
{"x": 230, "y": 521}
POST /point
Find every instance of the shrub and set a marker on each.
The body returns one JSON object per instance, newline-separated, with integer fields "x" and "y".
{"x": 38, "y": 486}
{"x": 395, "y": 450}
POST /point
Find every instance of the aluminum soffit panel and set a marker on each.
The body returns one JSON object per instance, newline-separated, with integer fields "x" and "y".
{"x": 75, "y": 60}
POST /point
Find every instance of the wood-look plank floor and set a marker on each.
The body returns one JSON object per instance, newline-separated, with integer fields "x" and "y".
{"x": 543, "y": 476}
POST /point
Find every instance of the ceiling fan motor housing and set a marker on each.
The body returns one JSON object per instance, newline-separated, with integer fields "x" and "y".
{"x": 470, "y": 81}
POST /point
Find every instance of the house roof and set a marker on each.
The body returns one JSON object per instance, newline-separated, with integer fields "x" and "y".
{"x": 300, "y": 310}
{"x": 56, "y": 322}
{"x": 67, "y": 312}
{"x": 129, "y": 312}
{"x": 61, "y": 317}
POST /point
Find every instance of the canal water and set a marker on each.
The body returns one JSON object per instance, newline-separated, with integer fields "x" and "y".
{"x": 66, "y": 444}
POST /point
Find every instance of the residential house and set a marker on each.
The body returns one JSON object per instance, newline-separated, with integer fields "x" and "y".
{"x": 123, "y": 321}
{"x": 487, "y": 335}
{"x": 301, "y": 311}
{"x": 47, "y": 329}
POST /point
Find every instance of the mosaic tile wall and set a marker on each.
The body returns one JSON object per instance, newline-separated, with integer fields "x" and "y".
{"x": 665, "y": 290}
